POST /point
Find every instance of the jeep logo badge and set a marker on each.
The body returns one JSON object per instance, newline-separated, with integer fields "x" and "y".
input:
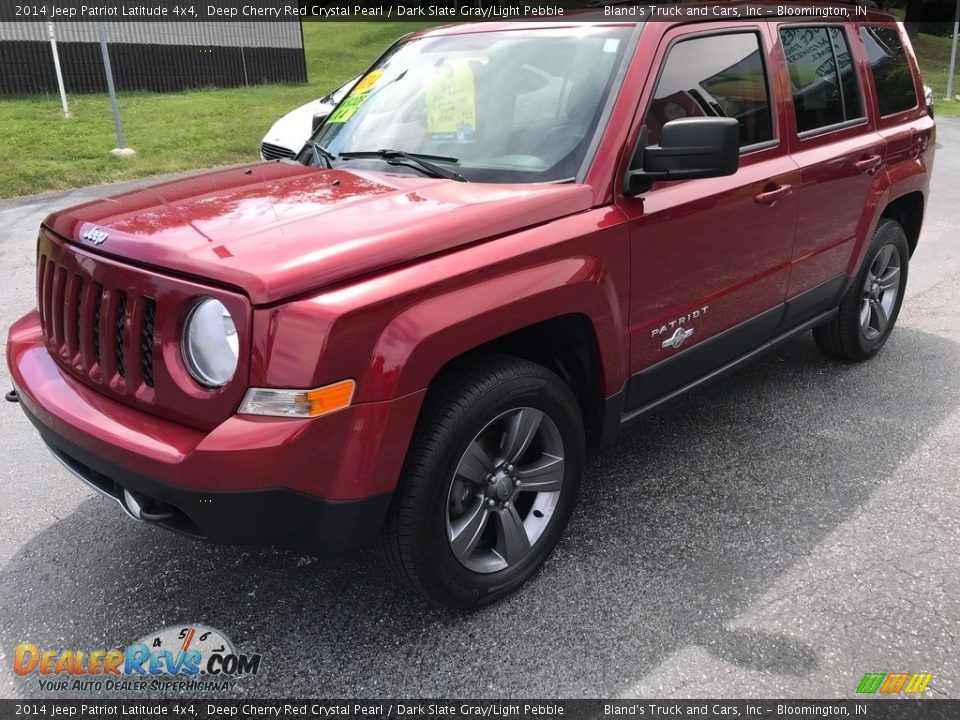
{"x": 677, "y": 339}
{"x": 95, "y": 235}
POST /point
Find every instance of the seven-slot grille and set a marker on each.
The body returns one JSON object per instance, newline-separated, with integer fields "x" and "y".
{"x": 90, "y": 327}
{"x": 117, "y": 328}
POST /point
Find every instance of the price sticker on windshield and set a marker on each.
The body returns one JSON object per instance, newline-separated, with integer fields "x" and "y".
{"x": 451, "y": 102}
{"x": 367, "y": 82}
{"x": 356, "y": 98}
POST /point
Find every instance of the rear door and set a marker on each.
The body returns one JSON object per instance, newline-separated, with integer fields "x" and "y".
{"x": 838, "y": 152}
{"x": 901, "y": 116}
{"x": 709, "y": 257}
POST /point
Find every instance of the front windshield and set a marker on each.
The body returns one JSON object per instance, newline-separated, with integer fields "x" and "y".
{"x": 509, "y": 106}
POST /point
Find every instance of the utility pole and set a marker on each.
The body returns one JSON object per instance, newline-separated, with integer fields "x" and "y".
{"x": 121, "y": 150}
{"x": 56, "y": 67}
{"x": 953, "y": 52}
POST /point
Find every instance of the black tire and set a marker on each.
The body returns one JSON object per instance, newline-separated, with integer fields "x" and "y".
{"x": 464, "y": 401}
{"x": 845, "y": 337}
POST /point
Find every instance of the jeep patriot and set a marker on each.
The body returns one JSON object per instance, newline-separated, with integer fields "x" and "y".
{"x": 508, "y": 243}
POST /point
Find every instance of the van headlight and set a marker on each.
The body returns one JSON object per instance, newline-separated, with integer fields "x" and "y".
{"x": 210, "y": 344}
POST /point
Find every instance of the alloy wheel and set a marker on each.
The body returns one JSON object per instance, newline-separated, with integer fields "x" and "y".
{"x": 880, "y": 290}
{"x": 505, "y": 490}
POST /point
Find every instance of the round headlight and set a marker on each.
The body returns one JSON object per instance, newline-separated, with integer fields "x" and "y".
{"x": 210, "y": 343}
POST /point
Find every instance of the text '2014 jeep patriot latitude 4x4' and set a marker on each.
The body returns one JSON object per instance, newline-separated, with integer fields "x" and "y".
{"x": 509, "y": 242}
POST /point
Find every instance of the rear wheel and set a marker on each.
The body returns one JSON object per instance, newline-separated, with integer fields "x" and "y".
{"x": 489, "y": 482}
{"x": 870, "y": 308}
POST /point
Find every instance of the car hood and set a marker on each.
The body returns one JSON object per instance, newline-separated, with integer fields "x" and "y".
{"x": 293, "y": 129}
{"x": 279, "y": 229}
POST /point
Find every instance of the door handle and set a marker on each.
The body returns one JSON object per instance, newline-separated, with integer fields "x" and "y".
{"x": 771, "y": 195}
{"x": 868, "y": 165}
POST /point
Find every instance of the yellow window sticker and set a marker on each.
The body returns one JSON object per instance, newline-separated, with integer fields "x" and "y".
{"x": 451, "y": 102}
{"x": 367, "y": 82}
{"x": 356, "y": 98}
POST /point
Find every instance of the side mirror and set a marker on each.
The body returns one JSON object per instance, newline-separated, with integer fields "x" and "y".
{"x": 318, "y": 121}
{"x": 698, "y": 147}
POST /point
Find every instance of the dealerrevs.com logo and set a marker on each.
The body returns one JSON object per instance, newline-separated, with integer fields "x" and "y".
{"x": 185, "y": 657}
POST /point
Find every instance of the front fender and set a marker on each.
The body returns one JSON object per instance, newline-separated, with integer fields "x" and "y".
{"x": 394, "y": 332}
{"x": 413, "y": 348}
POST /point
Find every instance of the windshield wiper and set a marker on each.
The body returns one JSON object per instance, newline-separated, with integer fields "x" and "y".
{"x": 319, "y": 151}
{"x": 418, "y": 160}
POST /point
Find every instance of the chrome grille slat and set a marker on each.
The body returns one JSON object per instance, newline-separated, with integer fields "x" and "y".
{"x": 275, "y": 152}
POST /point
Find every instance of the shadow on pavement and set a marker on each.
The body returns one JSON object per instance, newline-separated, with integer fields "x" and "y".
{"x": 680, "y": 528}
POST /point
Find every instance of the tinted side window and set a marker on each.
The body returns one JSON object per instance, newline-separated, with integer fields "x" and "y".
{"x": 891, "y": 71}
{"x": 849, "y": 82}
{"x": 822, "y": 76}
{"x": 718, "y": 75}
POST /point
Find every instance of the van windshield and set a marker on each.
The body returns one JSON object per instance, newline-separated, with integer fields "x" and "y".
{"x": 504, "y": 106}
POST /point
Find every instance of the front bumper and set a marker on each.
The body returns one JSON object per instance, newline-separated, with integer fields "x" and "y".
{"x": 273, "y": 516}
{"x": 323, "y": 484}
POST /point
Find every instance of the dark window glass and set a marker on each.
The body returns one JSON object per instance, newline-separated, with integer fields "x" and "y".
{"x": 822, "y": 77}
{"x": 853, "y": 104}
{"x": 891, "y": 71}
{"x": 719, "y": 75}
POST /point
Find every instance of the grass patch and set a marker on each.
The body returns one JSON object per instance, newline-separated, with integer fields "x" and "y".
{"x": 172, "y": 132}
{"x": 933, "y": 54}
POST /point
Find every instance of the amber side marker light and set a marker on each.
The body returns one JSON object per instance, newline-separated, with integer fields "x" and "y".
{"x": 298, "y": 403}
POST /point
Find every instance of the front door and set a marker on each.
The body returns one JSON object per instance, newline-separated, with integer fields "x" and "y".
{"x": 710, "y": 258}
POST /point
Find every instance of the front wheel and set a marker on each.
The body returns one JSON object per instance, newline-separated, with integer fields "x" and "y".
{"x": 870, "y": 308}
{"x": 489, "y": 482}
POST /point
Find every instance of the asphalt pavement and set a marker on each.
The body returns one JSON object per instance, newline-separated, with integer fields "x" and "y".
{"x": 777, "y": 535}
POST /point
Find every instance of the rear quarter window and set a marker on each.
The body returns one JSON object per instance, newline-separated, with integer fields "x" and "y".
{"x": 891, "y": 71}
{"x": 823, "y": 79}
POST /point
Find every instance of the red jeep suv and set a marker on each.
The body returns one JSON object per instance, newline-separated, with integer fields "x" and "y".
{"x": 508, "y": 243}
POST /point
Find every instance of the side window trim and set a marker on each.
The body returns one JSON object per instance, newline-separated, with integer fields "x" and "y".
{"x": 816, "y": 132}
{"x": 757, "y": 146}
{"x": 768, "y": 80}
